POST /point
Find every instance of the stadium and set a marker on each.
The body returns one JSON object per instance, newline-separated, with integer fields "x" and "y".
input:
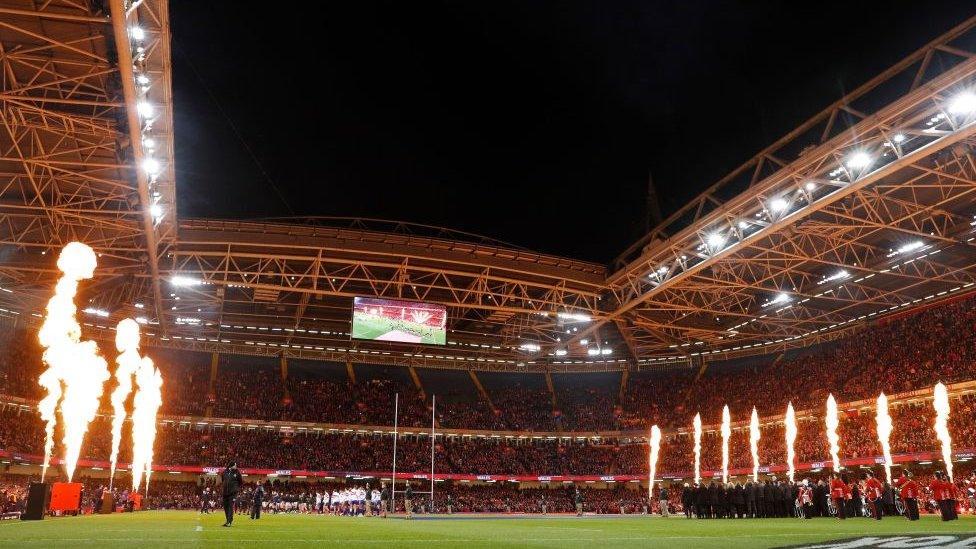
{"x": 788, "y": 359}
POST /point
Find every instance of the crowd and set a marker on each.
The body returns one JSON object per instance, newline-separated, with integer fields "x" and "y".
{"x": 902, "y": 354}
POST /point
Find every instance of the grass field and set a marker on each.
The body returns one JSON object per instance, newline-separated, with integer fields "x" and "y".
{"x": 376, "y": 327}
{"x": 177, "y": 529}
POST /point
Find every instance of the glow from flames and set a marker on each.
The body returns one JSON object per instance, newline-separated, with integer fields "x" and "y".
{"x": 127, "y": 343}
{"x": 145, "y": 406}
{"x": 833, "y": 421}
{"x": 790, "y": 429}
{"x": 655, "y": 449}
{"x": 698, "y": 435}
{"x": 885, "y": 427}
{"x": 754, "y": 436}
{"x": 75, "y": 372}
{"x": 726, "y": 434}
{"x": 941, "y": 403}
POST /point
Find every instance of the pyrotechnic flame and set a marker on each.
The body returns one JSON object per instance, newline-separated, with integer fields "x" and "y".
{"x": 726, "y": 433}
{"x": 145, "y": 406}
{"x": 127, "y": 343}
{"x": 76, "y": 374}
{"x": 790, "y": 429}
{"x": 832, "y": 437}
{"x": 698, "y": 435}
{"x": 754, "y": 443}
{"x": 655, "y": 448}
{"x": 941, "y": 403}
{"x": 885, "y": 427}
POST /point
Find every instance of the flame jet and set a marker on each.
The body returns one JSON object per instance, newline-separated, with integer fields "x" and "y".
{"x": 754, "y": 436}
{"x": 145, "y": 407}
{"x": 655, "y": 449}
{"x": 75, "y": 374}
{"x": 790, "y": 429}
{"x": 941, "y": 404}
{"x": 698, "y": 435}
{"x": 726, "y": 434}
{"x": 127, "y": 343}
{"x": 833, "y": 421}
{"x": 885, "y": 427}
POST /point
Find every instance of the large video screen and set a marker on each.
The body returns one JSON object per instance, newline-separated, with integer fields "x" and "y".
{"x": 403, "y": 321}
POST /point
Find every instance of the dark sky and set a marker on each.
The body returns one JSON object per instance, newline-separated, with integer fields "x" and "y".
{"x": 531, "y": 122}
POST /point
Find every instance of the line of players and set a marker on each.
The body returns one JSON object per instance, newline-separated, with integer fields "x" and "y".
{"x": 808, "y": 499}
{"x": 352, "y": 501}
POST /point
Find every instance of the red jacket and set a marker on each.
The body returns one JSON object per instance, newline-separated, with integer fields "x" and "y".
{"x": 838, "y": 489}
{"x": 873, "y": 488}
{"x": 938, "y": 490}
{"x": 909, "y": 488}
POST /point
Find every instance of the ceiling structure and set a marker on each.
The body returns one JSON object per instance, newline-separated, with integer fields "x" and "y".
{"x": 865, "y": 210}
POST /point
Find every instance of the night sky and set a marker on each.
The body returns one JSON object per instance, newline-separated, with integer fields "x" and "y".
{"x": 535, "y": 123}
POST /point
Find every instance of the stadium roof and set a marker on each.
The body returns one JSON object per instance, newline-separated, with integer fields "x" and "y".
{"x": 864, "y": 210}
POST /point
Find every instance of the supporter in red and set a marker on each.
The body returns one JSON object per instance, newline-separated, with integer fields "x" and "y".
{"x": 943, "y": 494}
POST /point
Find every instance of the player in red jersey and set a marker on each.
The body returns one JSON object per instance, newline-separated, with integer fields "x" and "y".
{"x": 838, "y": 493}
{"x": 909, "y": 494}
{"x": 873, "y": 491}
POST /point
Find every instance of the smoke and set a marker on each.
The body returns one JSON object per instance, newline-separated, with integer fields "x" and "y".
{"x": 754, "y": 443}
{"x": 655, "y": 449}
{"x": 698, "y": 435}
{"x": 941, "y": 403}
{"x": 75, "y": 373}
{"x": 726, "y": 434}
{"x": 790, "y": 429}
{"x": 127, "y": 343}
{"x": 884, "y": 432}
{"x": 833, "y": 438}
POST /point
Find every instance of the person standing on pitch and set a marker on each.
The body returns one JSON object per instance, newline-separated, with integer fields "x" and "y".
{"x": 838, "y": 493}
{"x": 579, "y": 502}
{"x": 873, "y": 492}
{"x": 384, "y": 499}
{"x": 909, "y": 494}
{"x": 256, "y": 502}
{"x": 663, "y": 500}
{"x": 408, "y": 500}
{"x": 231, "y": 480}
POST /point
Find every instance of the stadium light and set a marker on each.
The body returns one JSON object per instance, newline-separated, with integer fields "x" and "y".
{"x": 156, "y": 211}
{"x": 575, "y": 317}
{"x": 909, "y": 247}
{"x": 779, "y": 204}
{"x": 593, "y": 352}
{"x": 561, "y": 352}
{"x": 151, "y": 166}
{"x": 145, "y": 109}
{"x": 963, "y": 103}
{"x": 716, "y": 240}
{"x": 836, "y": 276}
{"x": 859, "y": 160}
{"x": 606, "y": 351}
{"x": 743, "y": 225}
{"x": 584, "y": 342}
{"x": 898, "y": 138}
{"x": 97, "y": 312}
{"x": 142, "y": 79}
{"x": 149, "y": 143}
{"x": 137, "y": 33}
{"x": 531, "y": 347}
{"x": 185, "y": 281}
{"x": 810, "y": 186}
{"x": 780, "y": 298}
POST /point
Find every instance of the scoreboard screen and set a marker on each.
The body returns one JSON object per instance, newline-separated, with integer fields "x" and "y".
{"x": 380, "y": 319}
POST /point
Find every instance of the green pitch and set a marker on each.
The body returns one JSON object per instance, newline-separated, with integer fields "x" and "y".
{"x": 372, "y": 327}
{"x": 178, "y": 529}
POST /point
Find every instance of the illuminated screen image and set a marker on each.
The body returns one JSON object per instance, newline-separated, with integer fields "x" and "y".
{"x": 402, "y": 321}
